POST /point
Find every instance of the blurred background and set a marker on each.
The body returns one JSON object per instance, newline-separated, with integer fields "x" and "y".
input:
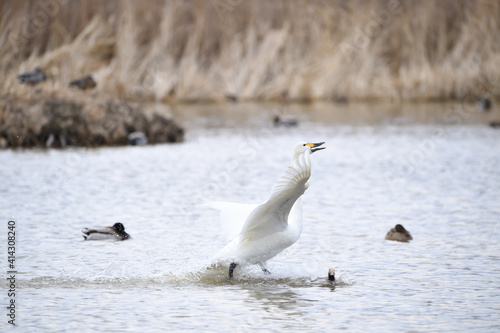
{"x": 220, "y": 50}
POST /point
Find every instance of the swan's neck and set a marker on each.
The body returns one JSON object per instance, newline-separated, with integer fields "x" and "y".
{"x": 301, "y": 159}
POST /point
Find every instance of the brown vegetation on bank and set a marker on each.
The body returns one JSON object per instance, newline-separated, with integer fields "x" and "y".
{"x": 31, "y": 121}
{"x": 198, "y": 50}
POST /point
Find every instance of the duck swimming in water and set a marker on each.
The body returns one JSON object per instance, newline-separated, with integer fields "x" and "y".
{"x": 331, "y": 274}
{"x": 137, "y": 139}
{"x": 484, "y": 104}
{"x": 116, "y": 232}
{"x": 399, "y": 233}
{"x": 285, "y": 121}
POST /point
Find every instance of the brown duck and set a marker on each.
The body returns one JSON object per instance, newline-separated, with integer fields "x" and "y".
{"x": 399, "y": 233}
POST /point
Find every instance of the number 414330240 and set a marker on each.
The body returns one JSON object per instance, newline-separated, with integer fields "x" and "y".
{"x": 11, "y": 241}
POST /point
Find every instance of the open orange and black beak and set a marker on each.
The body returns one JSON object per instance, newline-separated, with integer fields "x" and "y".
{"x": 314, "y": 146}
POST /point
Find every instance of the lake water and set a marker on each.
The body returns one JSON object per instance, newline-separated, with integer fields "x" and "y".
{"x": 434, "y": 170}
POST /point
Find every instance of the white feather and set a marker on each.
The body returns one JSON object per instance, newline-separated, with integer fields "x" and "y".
{"x": 260, "y": 232}
{"x": 232, "y": 217}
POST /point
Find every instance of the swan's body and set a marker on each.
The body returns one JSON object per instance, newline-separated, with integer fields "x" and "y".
{"x": 261, "y": 243}
{"x": 116, "y": 232}
{"x": 260, "y": 232}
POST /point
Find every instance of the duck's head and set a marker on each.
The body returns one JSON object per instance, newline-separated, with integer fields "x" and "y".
{"x": 119, "y": 227}
{"x": 400, "y": 228}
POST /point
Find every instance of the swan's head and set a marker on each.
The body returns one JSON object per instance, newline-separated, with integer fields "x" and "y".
{"x": 302, "y": 147}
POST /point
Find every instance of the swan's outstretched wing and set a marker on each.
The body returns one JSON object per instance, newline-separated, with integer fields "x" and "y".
{"x": 272, "y": 215}
{"x": 232, "y": 216}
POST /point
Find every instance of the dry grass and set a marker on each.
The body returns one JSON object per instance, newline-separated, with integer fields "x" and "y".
{"x": 197, "y": 50}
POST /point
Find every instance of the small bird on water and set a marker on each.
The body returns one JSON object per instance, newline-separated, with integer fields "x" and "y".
{"x": 260, "y": 232}
{"x": 137, "y": 139}
{"x": 55, "y": 141}
{"x": 84, "y": 83}
{"x": 232, "y": 98}
{"x": 280, "y": 121}
{"x": 399, "y": 233}
{"x": 32, "y": 77}
{"x": 331, "y": 274}
{"x": 484, "y": 104}
{"x": 116, "y": 232}
{"x": 495, "y": 124}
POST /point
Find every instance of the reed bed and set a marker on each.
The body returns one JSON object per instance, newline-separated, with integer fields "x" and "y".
{"x": 303, "y": 50}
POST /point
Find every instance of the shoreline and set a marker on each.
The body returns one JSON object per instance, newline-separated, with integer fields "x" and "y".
{"x": 90, "y": 121}
{"x": 51, "y": 121}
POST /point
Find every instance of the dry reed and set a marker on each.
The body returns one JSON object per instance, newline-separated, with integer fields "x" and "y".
{"x": 196, "y": 50}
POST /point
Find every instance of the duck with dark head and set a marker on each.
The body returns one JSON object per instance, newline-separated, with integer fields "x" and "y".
{"x": 116, "y": 232}
{"x": 399, "y": 233}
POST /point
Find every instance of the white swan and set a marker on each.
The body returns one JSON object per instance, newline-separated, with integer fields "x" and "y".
{"x": 260, "y": 232}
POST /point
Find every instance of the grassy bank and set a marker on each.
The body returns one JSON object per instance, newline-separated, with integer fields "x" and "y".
{"x": 31, "y": 121}
{"x": 194, "y": 51}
